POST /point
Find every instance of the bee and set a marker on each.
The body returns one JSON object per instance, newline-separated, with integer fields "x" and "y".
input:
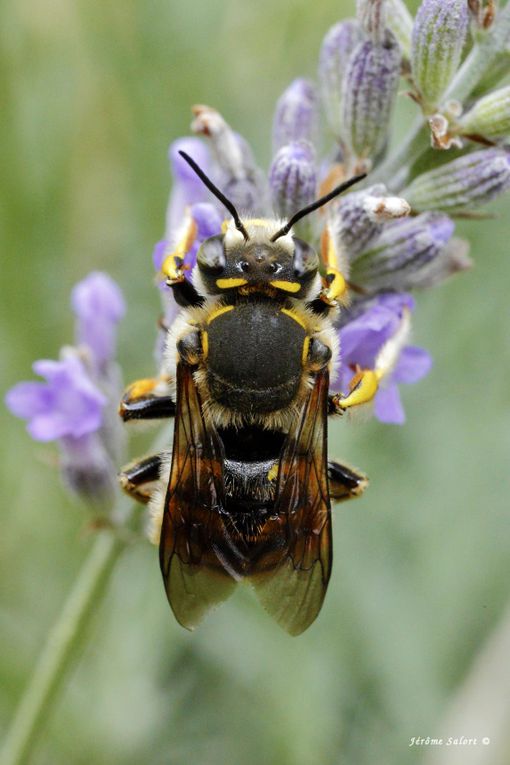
{"x": 245, "y": 493}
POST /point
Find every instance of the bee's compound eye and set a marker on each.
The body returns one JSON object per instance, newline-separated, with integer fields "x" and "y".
{"x": 274, "y": 268}
{"x": 243, "y": 266}
{"x": 211, "y": 255}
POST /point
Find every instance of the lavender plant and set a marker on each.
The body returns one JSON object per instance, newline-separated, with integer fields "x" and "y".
{"x": 394, "y": 236}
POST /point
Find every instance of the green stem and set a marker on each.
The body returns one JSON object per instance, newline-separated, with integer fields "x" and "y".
{"x": 60, "y": 648}
{"x": 394, "y": 170}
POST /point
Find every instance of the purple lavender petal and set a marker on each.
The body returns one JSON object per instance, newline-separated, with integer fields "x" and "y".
{"x": 67, "y": 404}
{"x": 187, "y": 188}
{"x": 99, "y": 305}
{"x": 27, "y": 399}
{"x": 413, "y": 364}
{"x": 296, "y": 115}
{"x": 388, "y": 406}
{"x": 159, "y": 253}
{"x": 208, "y": 220}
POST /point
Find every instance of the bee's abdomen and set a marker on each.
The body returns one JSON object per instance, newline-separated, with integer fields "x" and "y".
{"x": 254, "y": 357}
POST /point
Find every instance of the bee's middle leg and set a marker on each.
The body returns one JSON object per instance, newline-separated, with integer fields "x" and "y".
{"x": 147, "y": 399}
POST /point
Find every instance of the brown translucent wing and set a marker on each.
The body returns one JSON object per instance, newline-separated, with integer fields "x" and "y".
{"x": 195, "y": 577}
{"x": 291, "y": 581}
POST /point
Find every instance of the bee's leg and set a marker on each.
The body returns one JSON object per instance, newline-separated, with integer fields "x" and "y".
{"x": 147, "y": 399}
{"x": 345, "y": 482}
{"x": 173, "y": 266}
{"x": 362, "y": 389}
{"x": 140, "y": 478}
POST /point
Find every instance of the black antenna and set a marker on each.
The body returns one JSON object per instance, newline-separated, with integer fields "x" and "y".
{"x": 217, "y": 193}
{"x": 315, "y": 205}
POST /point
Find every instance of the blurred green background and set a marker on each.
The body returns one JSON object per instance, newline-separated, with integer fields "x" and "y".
{"x": 92, "y": 94}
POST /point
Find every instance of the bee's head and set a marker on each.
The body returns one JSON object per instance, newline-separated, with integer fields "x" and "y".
{"x": 229, "y": 261}
{"x": 259, "y": 253}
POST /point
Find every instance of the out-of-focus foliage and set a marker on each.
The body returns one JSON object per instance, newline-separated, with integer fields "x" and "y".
{"x": 92, "y": 95}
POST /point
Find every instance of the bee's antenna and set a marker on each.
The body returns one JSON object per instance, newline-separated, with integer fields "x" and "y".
{"x": 315, "y": 205}
{"x": 217, "y": 193}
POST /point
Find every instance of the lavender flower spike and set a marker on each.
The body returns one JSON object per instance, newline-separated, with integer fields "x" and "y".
{"x": 369, "y": 92}
{"x": 463, "y": 183}
{"x": 99, "y": 306}
{"x": 336, "y": 49}
{"x": 293, "y": 178}
{"x": 296, "y": 115}
{"x": 365, "y": 329}
{"x": 187, "y": 189}
{"x": 439, "y": 34}
{"x": 400, "y": 22}
{"x": 397, "y": 258}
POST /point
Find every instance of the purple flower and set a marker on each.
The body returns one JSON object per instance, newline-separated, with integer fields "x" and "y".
{"x": 68, "y": 404}
{"x": 293, "y": 178}
{"x": 296, "y": 114}
{"x": 366, "y": 327}
{"x": 187, "y": 189}
{"x": 99, "y": 305}
{"x": 208, "y": 221}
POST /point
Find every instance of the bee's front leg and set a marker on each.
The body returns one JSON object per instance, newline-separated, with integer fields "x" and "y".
{"x": 345, "y": 482}
{"x": 147, "y": 399}
{"x": 362, "y": 389}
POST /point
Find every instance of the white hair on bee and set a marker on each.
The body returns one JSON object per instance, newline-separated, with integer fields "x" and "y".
{"x": 156, "y": 506}
{"x": 260, "y": 231}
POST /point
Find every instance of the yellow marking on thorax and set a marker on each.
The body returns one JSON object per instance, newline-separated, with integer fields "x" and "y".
{"x": 205, "y": 343}
{"x": 225, "y": 284}
{"x": 294, "y": 315}
{"x": 286, "y": 286}
{"x": 218, "y": 311}
{"x": 306, "y": 347}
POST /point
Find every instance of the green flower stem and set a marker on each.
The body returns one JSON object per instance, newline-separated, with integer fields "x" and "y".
{"x": 57, "y": 655}
{"x": 394, "y": 171}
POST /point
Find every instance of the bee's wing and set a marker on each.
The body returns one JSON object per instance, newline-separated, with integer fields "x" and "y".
{"x": 195, "y": 577}
{"x": 292, "y": 585}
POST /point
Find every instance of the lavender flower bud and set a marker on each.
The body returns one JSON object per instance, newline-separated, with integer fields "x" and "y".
{"x": 452, "y": 259}
{"x": 336, "y": 49}
{"x": 439, "y": 35}
{"x": 293, "y": 178}
{"x": 99, "y": 305}
{"x": 86, "y": 468}
{"x": 401, "y": 251}
{"x": 357, "y": 218}
{"x": 239, "y": 177}
{"x": 296, "y": 115}
{"x": 371, "y": 15}
{"x": 370, "y": 89}
{"x": 489, "y": 117}
{"x": 400, "y": 22}
{"x": 465, "y": 182}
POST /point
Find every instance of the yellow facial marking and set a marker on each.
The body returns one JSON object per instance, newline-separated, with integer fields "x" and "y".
{"x": 205, "y": 343}
{"x": 273, "y": 472}
{"x": 286, "y": 286}
{"x": 306, "y": 346}
{"x": 293, "y": 315}
{"x": 225, "y": 284}
{"x": 218, "y": 311}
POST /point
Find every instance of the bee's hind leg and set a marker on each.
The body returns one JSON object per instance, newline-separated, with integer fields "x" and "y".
{"x": 345, "y": 482}
{"x": 141, "y": 478}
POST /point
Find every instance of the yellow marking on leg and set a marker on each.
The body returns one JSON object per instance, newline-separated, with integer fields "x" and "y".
{"x": 272, "y": 474}
{"x": 172, "y": 268}
{"x": 205, "y": 343}
{"x": 225, "y": 284}
{"x": 141, "y": 388}
{"x": 335, "y": 287}
{"x": 306, "y": 348}
{"x": 218, "y": 311}
{"x": 362, "y": 389}
{"x": 293, "y": 315}
{"x": 286, "y": 286}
